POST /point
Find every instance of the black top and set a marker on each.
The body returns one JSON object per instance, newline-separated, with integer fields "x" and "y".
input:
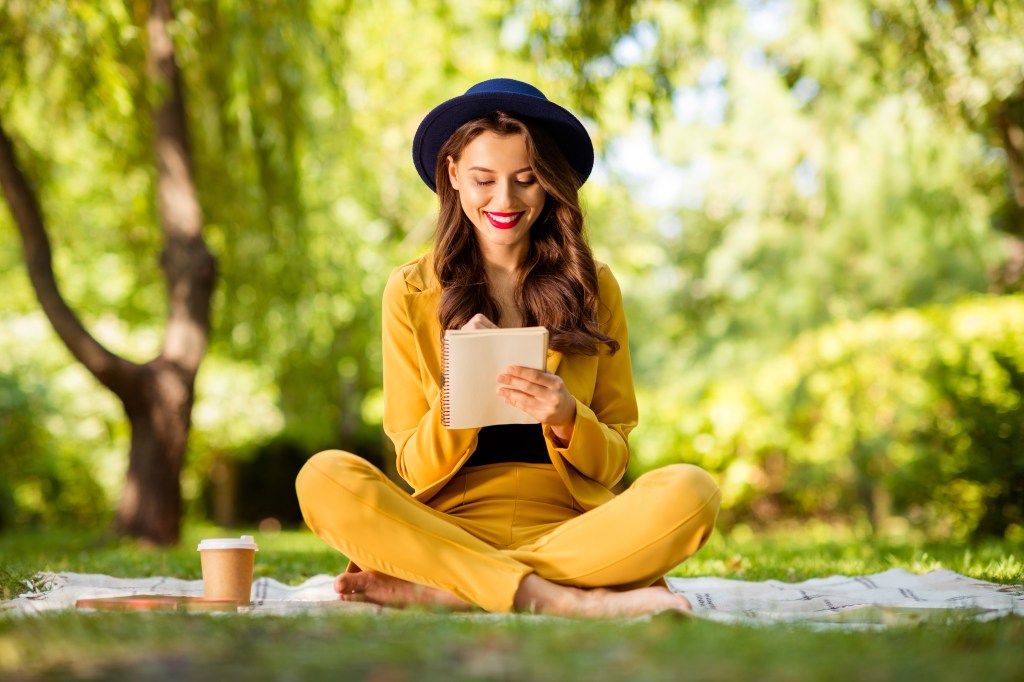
{"x": 510, "y": 443}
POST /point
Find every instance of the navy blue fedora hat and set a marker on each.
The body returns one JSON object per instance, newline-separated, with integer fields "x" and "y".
{"x": 517, "y": 98}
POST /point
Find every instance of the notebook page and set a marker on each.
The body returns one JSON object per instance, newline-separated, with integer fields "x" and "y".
{"x": 473, "y": 360}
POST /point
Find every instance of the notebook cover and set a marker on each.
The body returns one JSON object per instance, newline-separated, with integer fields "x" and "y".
{"x": 472, "y": 361}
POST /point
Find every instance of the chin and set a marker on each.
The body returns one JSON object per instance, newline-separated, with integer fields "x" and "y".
{"x": 509, "y": 237}
{"x": 498, "y": 236}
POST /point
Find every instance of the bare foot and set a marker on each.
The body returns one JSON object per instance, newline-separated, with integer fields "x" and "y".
{"x": 386, "y": 590}
{"x": 542, "y": 596}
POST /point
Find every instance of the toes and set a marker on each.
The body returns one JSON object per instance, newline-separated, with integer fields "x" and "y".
{"x": 671, "y": 616}
{"x": 346, "y": 583}
{"x": 353, "y": 596}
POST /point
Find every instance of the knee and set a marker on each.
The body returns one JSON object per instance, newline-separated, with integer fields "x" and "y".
{"x": 313, "y": 485}
{"x": 686, "y": 484}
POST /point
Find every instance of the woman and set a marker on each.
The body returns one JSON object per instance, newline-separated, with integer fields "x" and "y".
{"x": 517, "y": 517}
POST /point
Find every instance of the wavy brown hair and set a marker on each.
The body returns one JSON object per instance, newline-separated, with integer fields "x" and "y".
{"x": 557, "y": 283}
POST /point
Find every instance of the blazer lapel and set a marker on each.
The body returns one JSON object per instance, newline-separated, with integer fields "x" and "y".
{"x": 422, "y": 309}
{"x": 554, "y": 359}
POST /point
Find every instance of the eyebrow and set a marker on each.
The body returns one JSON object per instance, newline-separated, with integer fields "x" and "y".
{"x": 488, "y": 170}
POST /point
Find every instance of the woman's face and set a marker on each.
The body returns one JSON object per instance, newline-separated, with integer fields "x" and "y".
{"x": 498, "y": 189}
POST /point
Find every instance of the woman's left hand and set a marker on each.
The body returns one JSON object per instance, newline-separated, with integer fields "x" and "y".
{"x": 541, "y": 395}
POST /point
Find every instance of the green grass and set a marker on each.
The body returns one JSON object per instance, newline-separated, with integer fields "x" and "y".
{"x": 431, "y": 646}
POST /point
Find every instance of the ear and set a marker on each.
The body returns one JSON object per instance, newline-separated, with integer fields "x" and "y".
{"x": 453, "y": 174}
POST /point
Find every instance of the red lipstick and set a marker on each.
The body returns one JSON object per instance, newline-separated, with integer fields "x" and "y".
{"x": 504, "y": 221}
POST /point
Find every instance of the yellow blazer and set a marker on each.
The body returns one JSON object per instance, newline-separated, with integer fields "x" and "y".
{"x": 430, "y": 454}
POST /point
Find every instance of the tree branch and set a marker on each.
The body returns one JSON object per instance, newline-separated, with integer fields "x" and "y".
{"x": 111, "y": 370}
{"x": 1012, "y": 132}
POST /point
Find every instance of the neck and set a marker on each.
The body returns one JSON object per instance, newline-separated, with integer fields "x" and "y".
{"x": 503, "y": 259}
{"x": 499, "y": 277}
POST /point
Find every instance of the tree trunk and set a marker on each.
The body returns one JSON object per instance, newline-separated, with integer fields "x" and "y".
{"x": 1010, "y": 121}
{"x": 158, "y": 408}
{"x": 159, "y": 405}
{"x": 157, "y": 396}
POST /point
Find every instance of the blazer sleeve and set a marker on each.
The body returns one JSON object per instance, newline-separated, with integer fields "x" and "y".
{"x": 426, "y": 450}
{"x": 599, "y": 448}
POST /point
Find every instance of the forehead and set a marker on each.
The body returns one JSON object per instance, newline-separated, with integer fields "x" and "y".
{"x": 496, "y": 152}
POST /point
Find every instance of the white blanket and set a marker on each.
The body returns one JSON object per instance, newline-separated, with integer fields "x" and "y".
{"x": 890, "y": 598}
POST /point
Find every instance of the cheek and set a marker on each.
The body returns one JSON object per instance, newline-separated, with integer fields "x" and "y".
{"x": 466, "y": 201}
{"x": 472, "y": 198}
{"x": 537, "y": 198}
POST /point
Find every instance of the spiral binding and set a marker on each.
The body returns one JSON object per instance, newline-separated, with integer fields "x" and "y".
{"x": 445, "y": 409}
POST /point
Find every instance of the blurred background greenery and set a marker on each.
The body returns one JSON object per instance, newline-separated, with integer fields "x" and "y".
{"x": 815, "y": 209}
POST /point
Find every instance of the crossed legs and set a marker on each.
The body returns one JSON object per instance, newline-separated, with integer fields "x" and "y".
{"x": 535, "y": 595}
{"x": 412, "y": 554}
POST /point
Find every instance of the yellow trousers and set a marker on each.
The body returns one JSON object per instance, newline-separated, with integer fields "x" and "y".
{"x": 493, "y": 525}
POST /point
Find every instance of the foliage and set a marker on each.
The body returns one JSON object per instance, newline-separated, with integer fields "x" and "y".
{"x": 44, "y": 479}
{"x": 766, "y": 169}
{"x": 13, "y": 583}
{"x": 913, "y": 419}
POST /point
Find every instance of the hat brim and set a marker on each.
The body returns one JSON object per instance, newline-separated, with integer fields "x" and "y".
{"x": 435, "y": 129}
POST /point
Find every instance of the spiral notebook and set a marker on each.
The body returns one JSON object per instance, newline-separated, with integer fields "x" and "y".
{"x": 472, "y": 361}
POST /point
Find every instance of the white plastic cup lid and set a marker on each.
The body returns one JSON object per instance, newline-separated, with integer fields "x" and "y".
{"x": 244, "y": 542}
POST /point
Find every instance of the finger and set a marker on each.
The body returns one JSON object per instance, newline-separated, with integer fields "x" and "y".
{"x": 524, "y": 376}
{"x": 515, "y": 394}
{"x": 538, "y": 408}
{"x": 542, "y": 410}
{"x": 522, "y": 385}
{"x": 484, "y": 321}
{"x": 524, "y": 401}
{"x": 537, "y": 376}
{"x": 479, "y": 321}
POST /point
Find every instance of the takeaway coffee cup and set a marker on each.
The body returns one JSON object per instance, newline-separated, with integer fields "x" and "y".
{"x": 227, "y": 567}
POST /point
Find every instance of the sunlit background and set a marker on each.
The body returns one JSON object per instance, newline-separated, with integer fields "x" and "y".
{"x": 815, "y": 209}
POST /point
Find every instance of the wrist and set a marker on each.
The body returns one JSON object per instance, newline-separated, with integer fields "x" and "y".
{"x": 563, "y": 432}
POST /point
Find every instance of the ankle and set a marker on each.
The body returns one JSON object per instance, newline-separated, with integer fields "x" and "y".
{"x": 538, "y": 595}
{"x": 527, "y": 596}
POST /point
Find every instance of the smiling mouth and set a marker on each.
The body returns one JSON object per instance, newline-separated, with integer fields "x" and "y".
{"x": 504, "y": 221}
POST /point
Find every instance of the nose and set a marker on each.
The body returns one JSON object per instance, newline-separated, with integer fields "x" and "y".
{"x": 506, "y": 195}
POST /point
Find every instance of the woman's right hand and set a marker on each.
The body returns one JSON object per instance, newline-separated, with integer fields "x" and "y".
{"x": 479, "y": 321}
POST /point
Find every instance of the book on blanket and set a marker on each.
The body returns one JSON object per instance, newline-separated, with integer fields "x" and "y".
{"x": 472, "y": 359}
{"x": 157, "y": 602}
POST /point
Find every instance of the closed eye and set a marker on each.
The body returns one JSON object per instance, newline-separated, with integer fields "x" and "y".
{"x": 521, "y": 183}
